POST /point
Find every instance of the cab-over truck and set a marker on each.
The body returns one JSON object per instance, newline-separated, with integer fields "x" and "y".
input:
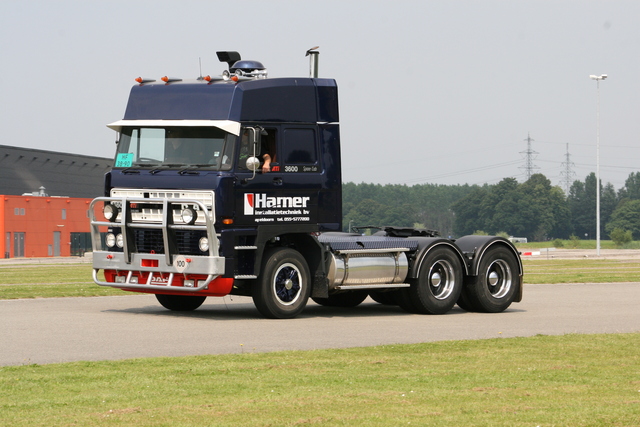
{"x": 232, "y": 185}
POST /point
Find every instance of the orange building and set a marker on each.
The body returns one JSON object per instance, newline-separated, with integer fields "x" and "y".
{"x": 42, "y": 226}
{"x": 34, "y": 224}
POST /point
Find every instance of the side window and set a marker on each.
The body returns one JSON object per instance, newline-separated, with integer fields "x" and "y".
{"x": 300, "y": 148}
{"x": 267, "y": 146}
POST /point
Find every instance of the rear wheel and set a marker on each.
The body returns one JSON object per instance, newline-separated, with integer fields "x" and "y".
{"x": 345, "y": 299}
{"x": 438, "y": 285}
{"x": 496, "y": 285}
{"x": 283, "y": 289}
{"x": 180, "y": 302}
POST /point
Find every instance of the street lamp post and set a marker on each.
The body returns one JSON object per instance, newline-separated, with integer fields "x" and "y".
{"x": 597, "y": 79}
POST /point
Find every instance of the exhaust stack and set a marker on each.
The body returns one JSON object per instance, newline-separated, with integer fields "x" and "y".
{"x": 313, "y": 62}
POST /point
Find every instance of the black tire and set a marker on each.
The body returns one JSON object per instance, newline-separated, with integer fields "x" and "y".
{"x": 497, "y": 283}
{"x": 438, "y": 285}
{"x": 464, "y": 303}
{"x": 284, "y": 286}
{"x": 345, "y": 299}
{"x": 384, "y": 298}
{"x": 180, "y": 302}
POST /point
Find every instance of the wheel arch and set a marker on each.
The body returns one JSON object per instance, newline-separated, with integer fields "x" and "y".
{"x": 476, "y": 247}
{"x": 426, "y": 245}
{"x": 311, "y": 250}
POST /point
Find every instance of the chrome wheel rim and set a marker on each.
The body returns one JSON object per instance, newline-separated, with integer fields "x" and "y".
{"x": 499, "y": 278}
{"x": 442, "y": 279}
{"x": 287, "y": 284}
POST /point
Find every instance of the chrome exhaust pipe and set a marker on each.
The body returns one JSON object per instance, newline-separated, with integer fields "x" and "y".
{"x": 313, "y": 62}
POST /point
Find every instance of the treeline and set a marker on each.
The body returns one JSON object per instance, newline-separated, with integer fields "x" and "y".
{"x": 533, "y": 209}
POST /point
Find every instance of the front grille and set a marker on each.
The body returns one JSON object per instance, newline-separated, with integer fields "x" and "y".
{"x": 151, "y": 241}
{"x": 187, "y": 242}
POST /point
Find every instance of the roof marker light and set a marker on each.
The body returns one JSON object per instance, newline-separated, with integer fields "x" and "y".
{"x": 143, "y": 80}
{"x": 170, "y": 79}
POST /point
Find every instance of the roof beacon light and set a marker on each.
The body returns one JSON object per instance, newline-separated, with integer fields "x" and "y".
{"x": 242, "y": 68}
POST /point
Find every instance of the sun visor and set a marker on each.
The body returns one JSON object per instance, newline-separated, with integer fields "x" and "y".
{"x": 225, "y": 125}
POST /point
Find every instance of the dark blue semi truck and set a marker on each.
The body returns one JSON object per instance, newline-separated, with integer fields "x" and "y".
{"x": 232, "y": 185}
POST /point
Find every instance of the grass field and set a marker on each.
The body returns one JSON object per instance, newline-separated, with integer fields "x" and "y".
{"x": 49, "y": 281}
{"x": 71, "y": 280}
{"x": 572, "y": 380}
{"x": 577, "y": 244}
{"x": 549, "y": 271}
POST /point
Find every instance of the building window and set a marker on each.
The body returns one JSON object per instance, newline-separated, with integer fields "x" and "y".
{"x": 64, "y": 214}
{"x": 18, "y": 211}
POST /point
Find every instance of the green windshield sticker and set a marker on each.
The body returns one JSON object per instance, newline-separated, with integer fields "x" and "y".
{"x": 124, "y": 160}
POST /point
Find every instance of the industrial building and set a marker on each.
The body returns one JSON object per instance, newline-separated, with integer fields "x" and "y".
{"x": 44, "y": 197}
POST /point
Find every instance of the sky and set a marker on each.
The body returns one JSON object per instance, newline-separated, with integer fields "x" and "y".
{"x": 431, "y": 92}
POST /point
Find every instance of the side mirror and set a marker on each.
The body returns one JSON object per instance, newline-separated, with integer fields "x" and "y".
{"x": 253, "y": 163}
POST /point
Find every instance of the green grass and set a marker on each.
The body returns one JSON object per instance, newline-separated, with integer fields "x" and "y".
{"x": 577, "y": 244}
{"x": 586, "y": 270}
{"x": 50, "y": 280}
{"x": 73, "y": 280}
{"x": 585, "y": 380}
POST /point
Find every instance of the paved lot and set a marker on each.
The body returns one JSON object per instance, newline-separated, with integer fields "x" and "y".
{"x": 72, "y": 329}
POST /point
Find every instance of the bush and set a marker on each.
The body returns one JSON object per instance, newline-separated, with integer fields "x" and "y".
{"x": 621, "y": 237}
{"x": 574, "y": 241}
{"x": 558, "y": 243}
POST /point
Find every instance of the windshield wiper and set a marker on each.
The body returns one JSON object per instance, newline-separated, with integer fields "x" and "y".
{"x": 158, "y": 168}
{"x": 190, "y": 169}
{"x": 130, "y": 170}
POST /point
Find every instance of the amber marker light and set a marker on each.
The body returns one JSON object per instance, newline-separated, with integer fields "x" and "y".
{"x": 227, "y": 221}
{"x": 142, "y": 80}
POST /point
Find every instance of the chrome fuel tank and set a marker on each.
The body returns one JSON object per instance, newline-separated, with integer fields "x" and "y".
{"x": 361, "y": 268}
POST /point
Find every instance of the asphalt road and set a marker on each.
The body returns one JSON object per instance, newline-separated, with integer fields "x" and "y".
{"x": 56, "y": 330}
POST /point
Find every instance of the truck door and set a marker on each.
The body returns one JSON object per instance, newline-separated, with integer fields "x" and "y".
{"x": 287, "y": 192}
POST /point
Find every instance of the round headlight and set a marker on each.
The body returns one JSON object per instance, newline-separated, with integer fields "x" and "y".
{"x": 110, "y": 240}
{"x": 203, "y": 244}
{"x": 189, "y": 215}
{"x": 110, "y": 212}
{"x": 119, "y": 240}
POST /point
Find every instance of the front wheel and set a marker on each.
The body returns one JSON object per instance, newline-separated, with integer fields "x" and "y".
{"x": 283, "y": 289}
{"x": 438, "y": 285}
{"x": 180, "y": 302}
{"x": 497, "y": 283}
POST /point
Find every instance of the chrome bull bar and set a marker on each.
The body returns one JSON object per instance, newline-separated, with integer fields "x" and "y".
{"x": 154, "y": 265}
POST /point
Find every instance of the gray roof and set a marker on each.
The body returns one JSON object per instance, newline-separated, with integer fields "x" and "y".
{"x": 25, "y": 170}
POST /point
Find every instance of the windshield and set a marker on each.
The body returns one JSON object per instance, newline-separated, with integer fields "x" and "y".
{"x": 175, "y": 147}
